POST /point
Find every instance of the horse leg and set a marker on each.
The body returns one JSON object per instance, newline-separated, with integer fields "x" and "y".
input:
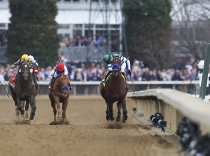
{"x": 18, "y": 107}
{"x": 33, "y": 108}
{"x": 125, "y": 116}
{"x": 119, "y": 112}
{"x": 110, "y": 111}
{"x": 26, "y": 110}
{"x": 65, "y": 103}
{"x": 107, "y": 111}
{"x": 13, "y": 96}
{"x": 56, "y": 98}
{"x": 22, "y": 106}
{"x": 53, "y": 106}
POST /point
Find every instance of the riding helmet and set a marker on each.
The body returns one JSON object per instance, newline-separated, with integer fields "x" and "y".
{"x": 117, "y": 55}
{"x": 107, "y": 58}
{"x": 60, "y": 66}
{"x": 24, "y": 57}
{"x": 31, "y": 58}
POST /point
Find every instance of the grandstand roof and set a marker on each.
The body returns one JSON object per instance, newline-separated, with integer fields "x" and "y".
{"x": 70, "y": 17}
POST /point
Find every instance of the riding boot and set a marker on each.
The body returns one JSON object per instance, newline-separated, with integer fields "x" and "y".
{"x": 35, "y": 81}
{"x": 51, "y": 85}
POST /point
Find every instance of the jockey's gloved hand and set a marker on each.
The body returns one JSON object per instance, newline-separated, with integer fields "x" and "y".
{"x": 129, "y": 72}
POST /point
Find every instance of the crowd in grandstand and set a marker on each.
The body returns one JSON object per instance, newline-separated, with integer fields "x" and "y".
{"x": 82, "y": 41}
{"x": 95, "y": 72}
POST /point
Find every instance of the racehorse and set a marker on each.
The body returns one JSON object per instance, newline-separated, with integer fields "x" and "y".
{"x": 60, "y": 94}
{"x": 24, "y": 90}
{"x": 115, "y": 90}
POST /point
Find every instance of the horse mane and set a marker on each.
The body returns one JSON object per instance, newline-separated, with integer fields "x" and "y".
{"x": 62, "y": 78}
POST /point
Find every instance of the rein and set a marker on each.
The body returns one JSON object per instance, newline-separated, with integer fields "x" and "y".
{"x": 20, "y": 74}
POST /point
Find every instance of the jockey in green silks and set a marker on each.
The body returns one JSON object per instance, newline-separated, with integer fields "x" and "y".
{"x": 124, "y": 62}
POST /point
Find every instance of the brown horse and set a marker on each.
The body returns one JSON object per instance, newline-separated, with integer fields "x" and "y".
{"x": 60, "y": 94}
{"x": 115, "y": 90}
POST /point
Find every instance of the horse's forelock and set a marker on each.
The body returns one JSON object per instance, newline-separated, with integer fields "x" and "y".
{"x": 116, "y": 60}
{"x": 64, "y": 78}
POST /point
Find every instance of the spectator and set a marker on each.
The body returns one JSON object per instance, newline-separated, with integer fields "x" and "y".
{"x": 99, "y": 41}
{"x": 176, "y": 76}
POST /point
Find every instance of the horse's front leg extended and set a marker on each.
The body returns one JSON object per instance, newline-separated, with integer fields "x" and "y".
{"x": 33, "y": 107}
{"x": 57, "y": 104}
{"x": 26, "y": 110}
{"x": 125, "y": 116}
{"x": 111, "y": 111}
{"x": 65, "y": 103}
{"x": 107, "y": 111}
{"x": 19, "y": 106}
{"x": 119, "y": 105}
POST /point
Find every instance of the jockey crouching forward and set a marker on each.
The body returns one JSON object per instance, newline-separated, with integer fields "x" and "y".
{"x": 35, "y": 67}
{"x": 124, "y": 62}
{"x": 56, "y": 72}
{"x": 26, "y": 58}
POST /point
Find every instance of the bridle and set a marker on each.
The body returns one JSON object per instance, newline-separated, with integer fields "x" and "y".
{"x": 116, "y": 68}
{"x": 24, "y": 71}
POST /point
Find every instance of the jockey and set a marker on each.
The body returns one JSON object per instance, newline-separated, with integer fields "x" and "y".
{"x": 35, "y": 67}
{"x": 56, "y": 72}
{"x": 124, "y": 62}
{"x": 26, "y": 58}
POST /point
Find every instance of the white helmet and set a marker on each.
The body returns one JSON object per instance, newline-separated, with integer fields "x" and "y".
{"x": 31, "y": 58}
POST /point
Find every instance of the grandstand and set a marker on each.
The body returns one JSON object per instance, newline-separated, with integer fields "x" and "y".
{"x": 73, "y": 20}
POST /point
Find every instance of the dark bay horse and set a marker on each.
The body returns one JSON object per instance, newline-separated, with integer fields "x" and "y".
{"x": 115, "y": 90}
{"x": 60, "y": 94}
{"x": 24, "y": 90}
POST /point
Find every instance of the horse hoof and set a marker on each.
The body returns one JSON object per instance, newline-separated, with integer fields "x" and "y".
{"x": 124, "y": 118}
{"x": 107, "y": 118}
{"x": 112, "y": 118}
{"x": 17, "y": 113}
{"x": 32, "y": 116}
{"x": 118, "y": 118}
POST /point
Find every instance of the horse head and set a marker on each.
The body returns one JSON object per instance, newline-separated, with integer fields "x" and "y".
{"x": 64, "y": 85}
{"x": 25, "y": 70}
{"x": 116, "y": 65}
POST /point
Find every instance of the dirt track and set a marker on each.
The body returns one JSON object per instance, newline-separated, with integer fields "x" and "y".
{"x": 88, "y": 134}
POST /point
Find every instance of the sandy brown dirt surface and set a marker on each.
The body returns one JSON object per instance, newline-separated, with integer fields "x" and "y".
{"x": 89, "y": 134}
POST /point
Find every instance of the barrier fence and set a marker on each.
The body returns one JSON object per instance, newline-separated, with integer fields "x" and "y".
{"x": 84, "y": 54}
{"x": 173, "y": 105}
{"x": 93, "y": 87}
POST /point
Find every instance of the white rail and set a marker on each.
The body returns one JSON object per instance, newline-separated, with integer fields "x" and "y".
{"x": 129, "y": 82}
{"x": 174, "y": 105}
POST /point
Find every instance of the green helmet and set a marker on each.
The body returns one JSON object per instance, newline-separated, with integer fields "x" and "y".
{"x": 116, "y": 55}
{"x": 107, "y": 58}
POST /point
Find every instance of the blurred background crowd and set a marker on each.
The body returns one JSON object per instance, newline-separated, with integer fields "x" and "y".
{"x": 82, "y": 41}
{"x": 79, "y": 71}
